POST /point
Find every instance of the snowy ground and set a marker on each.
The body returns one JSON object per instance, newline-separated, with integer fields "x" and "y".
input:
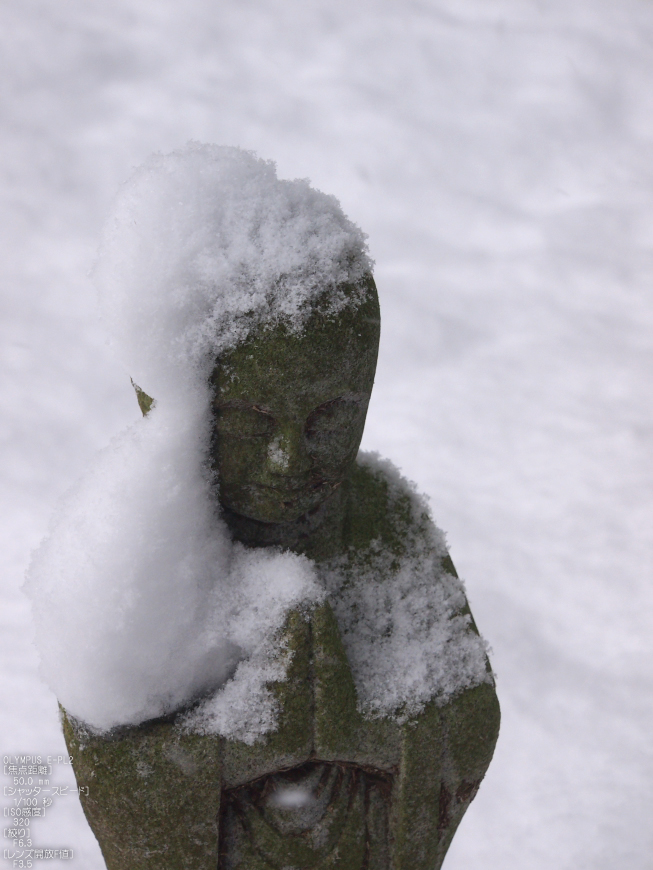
{"x": 500, "y": 156}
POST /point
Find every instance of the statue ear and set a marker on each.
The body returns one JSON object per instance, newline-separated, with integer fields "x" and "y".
{"x": 145, "y": 402}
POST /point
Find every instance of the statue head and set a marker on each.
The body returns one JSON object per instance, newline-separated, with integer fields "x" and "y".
{"x": 212, "y": 267}
{"x": 290, "y": 409}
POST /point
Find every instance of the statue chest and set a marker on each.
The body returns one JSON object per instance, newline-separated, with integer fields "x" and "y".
{"x": 326, "y": 789}
{"x": 318, "y": 717}
{"x": 318, "y": 792}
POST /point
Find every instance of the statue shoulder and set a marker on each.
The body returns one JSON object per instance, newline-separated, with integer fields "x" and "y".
{"x": 401, "y": 609}
{"x": 386, "y": 508}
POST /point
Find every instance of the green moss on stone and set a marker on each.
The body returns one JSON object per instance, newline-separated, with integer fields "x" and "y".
{"x": 291, "y": 743}
{"x": 151, "y": 794}
{"x": 341, "y": 732}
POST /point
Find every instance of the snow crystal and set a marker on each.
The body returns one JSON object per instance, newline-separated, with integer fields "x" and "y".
{"x": 403, "y": 618}
{"x": 244, "y": 709}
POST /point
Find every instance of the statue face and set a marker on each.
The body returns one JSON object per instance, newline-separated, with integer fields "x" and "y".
{"x": 289, "y": 414}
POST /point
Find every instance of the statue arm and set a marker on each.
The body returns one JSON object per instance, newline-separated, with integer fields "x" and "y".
{"x": 446, "y": 753}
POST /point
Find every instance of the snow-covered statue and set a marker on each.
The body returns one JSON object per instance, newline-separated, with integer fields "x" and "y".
{"x": 263, "y": 652}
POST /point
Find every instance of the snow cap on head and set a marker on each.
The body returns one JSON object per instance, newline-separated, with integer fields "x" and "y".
{"x": 207, "y": 243}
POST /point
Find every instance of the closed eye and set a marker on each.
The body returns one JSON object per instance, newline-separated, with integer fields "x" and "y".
{"x": 244, "y": 421}
{"x": 335, "y": 427}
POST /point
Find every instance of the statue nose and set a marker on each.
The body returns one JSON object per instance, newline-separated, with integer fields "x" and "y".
{"x": 287, "y": 453}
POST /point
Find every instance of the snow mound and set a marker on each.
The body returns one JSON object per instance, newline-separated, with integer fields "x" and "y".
{"x": 141, "y": 600}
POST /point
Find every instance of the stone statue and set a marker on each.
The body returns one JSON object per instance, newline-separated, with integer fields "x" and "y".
{"x": 330, "y": 788}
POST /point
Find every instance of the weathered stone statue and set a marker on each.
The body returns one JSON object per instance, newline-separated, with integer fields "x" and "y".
{"x": 330, "y": 788}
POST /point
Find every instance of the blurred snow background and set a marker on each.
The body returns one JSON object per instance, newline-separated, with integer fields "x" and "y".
{"x": 500, "y": 156}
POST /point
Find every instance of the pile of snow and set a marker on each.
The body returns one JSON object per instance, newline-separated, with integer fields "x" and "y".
{"x": 401, "y": 615}
{"x": 142, "y": 601}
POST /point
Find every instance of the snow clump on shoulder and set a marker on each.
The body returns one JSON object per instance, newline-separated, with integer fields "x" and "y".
{"x": 402, "y": 611}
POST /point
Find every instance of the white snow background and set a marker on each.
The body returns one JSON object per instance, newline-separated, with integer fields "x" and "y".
{"x": 500, "y": 157}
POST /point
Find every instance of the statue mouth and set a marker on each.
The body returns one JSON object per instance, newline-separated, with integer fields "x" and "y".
{"x": 290, "y": 495}
{"x": 284, "y": 500}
